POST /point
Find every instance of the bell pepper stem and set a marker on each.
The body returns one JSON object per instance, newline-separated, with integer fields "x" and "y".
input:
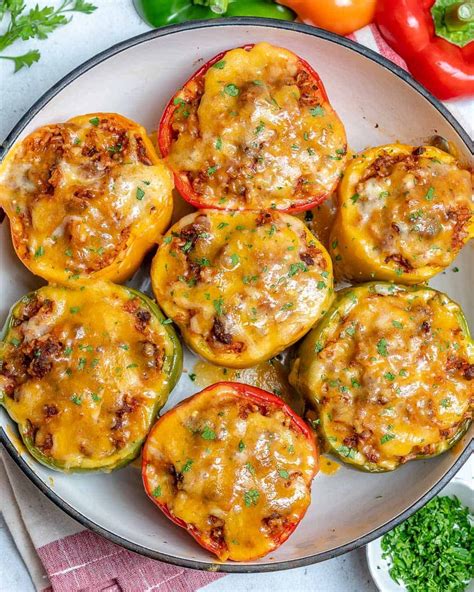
{"x": 219, "y": 6}
{"x": 215, "y": 6}
{"x": 458, "y": 15}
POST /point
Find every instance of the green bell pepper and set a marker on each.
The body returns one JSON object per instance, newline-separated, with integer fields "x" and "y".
{"x": 84, "y": 373}
{"x": 159, "y": 13}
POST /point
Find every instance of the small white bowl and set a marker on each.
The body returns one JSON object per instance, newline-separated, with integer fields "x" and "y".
{"x": 379, "y": 568}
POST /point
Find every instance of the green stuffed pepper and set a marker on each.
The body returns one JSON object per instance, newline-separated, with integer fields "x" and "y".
{"x": 84, "y": 373}
{"x": 389, "y": 372}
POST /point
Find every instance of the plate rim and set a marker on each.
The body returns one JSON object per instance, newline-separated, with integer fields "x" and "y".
{"x": 38, "y": 105}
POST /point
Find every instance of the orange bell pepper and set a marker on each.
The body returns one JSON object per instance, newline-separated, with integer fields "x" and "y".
{"x": 338, "y": 16}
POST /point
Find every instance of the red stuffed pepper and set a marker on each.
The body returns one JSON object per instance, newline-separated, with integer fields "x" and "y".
{"x": 232, "y": 465}
{"x": 435, "y": 38}
{"x": 253, "y": 129}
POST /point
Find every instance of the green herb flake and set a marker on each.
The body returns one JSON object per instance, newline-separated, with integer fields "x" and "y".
{"x": 211, "y": 170}
{"x": 241, "y": 445}
{"x": 430, "y": 194}
{"x": 389, "y": 376}
{"x": 382, "y": 347}
{"x": 187, "y": 465}
{"x": 250, "y": 468}
{"x": 208, "y": 434}
{"x": 76, "y": 399}
{"x": 220, "y": 65}
{"x": 251, "y": 497}
{"x": 386, "y": 438}
{"x": 355, "y": 198}
{"x": 317, "y": 111}
{"x": 94, "y": 121}
{"x": 218, "y": 144}
{"x": 15, "y": 341}
{"x": 231, "y": 90}
{"x": 284, "y": 473}
{"x": 346, "y": 451}
{"x": 157, "y": 491}
{"x": 39, "y": 251}
{"x": 218, "y": 304}
{"x": 166, "y": 321}
{"x": 397, "y": 324}
{"x": 140, "y": 193}
{"x": 74, "y": 309}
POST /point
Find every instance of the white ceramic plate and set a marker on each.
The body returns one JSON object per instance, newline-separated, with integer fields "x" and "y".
{"x": 379, "y": 567}
{"x": 378, "y": 103}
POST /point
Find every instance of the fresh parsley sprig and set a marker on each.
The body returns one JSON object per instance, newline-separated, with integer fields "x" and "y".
{"x": 35, "y": 23}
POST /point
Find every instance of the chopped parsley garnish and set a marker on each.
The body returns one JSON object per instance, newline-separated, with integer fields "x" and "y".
{"x": 219, "y": 65}
{"x": 445, "y": 403}
{"x": 39, "y": 251}
{"x": 218, "y": 304}
{"x": 251, "y": 497}
{"x": 208, "y": 434}
{"x": 218, "y": 144}
{"x": 192, "y": 377}
{"x": 287, "y": 306}
{"x": 188, "y": 245}
{"x": 157, "y": 491}
{"x": 15, "y": 342}
{"x": 74, "y": 309}
{"x": 94, "y": 121}
{"x": 187, "y": 465}
{"x": 130, "y": 366}
{"x": 321, "y": 285}
{"x": 355, "y": 383}
{"x": 260, "y": 127}
{"x": 382, "y": 347}
{"x": 250, "y": 468}
{"x": 346, "y": 451}
{"x": 317, "y": 111}
{"x": 140, "y": 193}
{"x": 222, "y": 225}
{"x": 334, "y": 244}
{"x": 318, "y": 347}
{"x": 430, "y": 194}
{"x": 397, "y": 324}
{"x": 355, "y": 197}
{"x": 241, "y": 445}
{"x": 432, "y": 550}
{"x": 68, "y": 252}
{"x": 76, "y": 399}
{"x": 386, "y": 438}
{"x": 283, "y": 474}
{"x": 231, "y": 90}
{"x": 389, "y": 376}
{"x": 234, "y": 258}
{"x": 166, "y": 321}
{"x": 211, "y": 170}
{"x": 95, "y": 397}
{"x": 295, "y": 267}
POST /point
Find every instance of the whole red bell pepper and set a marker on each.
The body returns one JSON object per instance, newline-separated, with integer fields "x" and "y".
{"x": 435, "y": 38}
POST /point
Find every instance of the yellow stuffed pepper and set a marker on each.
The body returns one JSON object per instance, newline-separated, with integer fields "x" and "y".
{"x": 242, "y": 286}
{"x": 404, "y": 214}
{"x": 86, "y": 198}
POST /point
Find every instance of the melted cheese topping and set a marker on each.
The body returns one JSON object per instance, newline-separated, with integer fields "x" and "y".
{"x": 392, "y": 376}
{"x": 83, "y": 374}
{"x": 260, "y": 134}
{"x": 407, "y": 209}
{"x": 236, "y": 472}
{"x": 85, "y": 197}
{"x": 241, "y": 286}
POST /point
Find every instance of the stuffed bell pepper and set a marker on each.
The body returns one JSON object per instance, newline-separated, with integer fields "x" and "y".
{"x": 390, "y": 374}
{"x": 404, "y": 214}
{"x": 241, "y": 286}
{"x": 84, "y": 373}
{"x": 253, "y": 129}
{"x": 232, "y": 465}
{"x": 86, "y": 198}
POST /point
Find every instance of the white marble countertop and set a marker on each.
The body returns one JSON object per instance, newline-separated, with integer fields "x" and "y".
{"x": 68, "y": 47}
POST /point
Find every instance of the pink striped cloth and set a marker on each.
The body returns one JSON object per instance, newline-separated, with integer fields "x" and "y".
{"x": 64, "y": 557}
